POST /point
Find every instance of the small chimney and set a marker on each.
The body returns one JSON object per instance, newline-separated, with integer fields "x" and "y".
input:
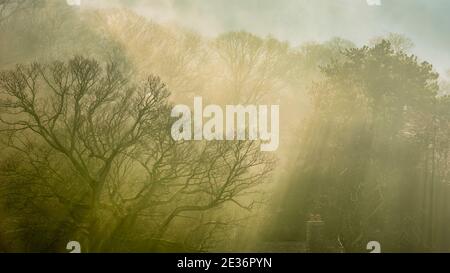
{"x": 315, "y": 241}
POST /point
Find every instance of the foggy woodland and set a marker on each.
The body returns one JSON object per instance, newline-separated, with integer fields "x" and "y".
{"x": 86, "y": 152}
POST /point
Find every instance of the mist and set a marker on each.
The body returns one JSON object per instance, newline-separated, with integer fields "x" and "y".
{"x": 302, "y": 21}
{"x": 87, "y": 155}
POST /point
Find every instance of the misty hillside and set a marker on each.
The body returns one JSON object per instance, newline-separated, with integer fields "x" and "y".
{"x": 364, "y": 137}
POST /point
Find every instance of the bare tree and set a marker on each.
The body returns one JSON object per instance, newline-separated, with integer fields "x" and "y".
{"x": 252, "y": 64}
{"x": 178, "y": 56}
{"x": 88, "y": 115}
{"x": 113, "y": 137}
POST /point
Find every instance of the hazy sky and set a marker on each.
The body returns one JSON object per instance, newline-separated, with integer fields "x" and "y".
{"x": 426, "y": 22}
